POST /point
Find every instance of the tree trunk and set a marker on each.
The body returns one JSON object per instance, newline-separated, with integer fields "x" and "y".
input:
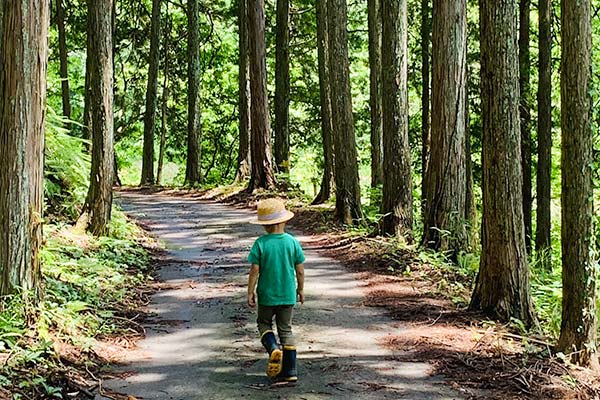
{"x": 502, "y": 285}
{"x": 262, "y": 166}
{"x": 374, "y": 11}
{"x": 525, "y": 112}
{"x": 151, "y": 94}
{"x": 97, "y": 210}
{"x": 425, "y": 97}
{"x": 64, "y": 61}
{"x": 578, "y": 334}
{"x": 325, "y": 100}
{"x": 194, "y": 139}
{"x": 544, "y": 165}
{"x": 165, "y": 99}
{"x": 444, "y": 225}
{"x": 243, "y": 167}
{"x": 470, "y": 208}
{"x": 282, "y": 87}
{"x": 23, "y": 65}
{"x": 347, "y": 204}
{"x": 87, "y": 116}
{"x": 397, "y": 180}
{"x": 116, "y": 178}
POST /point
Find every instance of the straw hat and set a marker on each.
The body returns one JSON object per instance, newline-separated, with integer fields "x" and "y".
{"x": 271, "y": 212}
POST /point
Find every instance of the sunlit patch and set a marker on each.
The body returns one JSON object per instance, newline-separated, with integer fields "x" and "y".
{"x": 147, "y": 378}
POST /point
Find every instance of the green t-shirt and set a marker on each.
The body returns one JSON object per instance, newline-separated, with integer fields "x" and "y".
{"x": 276, "y": 254}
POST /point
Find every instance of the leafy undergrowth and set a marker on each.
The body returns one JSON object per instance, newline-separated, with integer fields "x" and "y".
{"x": 91, "y": 285}
{"x": 429, "y": 295}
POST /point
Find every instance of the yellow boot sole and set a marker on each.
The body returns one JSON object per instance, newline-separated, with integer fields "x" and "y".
{"x": 274, "y": 364}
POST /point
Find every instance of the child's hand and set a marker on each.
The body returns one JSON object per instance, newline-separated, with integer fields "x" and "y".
{"x": 251, "y": 300}
{"x": 300, "y": 296}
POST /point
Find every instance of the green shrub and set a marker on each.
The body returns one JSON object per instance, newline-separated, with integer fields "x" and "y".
{"x": 66, "y": 170}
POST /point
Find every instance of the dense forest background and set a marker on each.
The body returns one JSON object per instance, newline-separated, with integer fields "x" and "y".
{"x": 160, "y": 80}
{"x": 219, "y": 106}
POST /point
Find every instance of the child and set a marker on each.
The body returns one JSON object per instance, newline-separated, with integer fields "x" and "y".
{"x": 277, "y": 267}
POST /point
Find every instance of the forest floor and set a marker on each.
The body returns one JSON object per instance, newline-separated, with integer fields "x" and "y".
{"x": 378, "y": 322}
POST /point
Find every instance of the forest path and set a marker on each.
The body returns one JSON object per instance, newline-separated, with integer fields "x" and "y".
{"x": 202, "y": 341}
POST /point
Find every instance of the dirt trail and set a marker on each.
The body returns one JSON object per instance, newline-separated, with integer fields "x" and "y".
{"x": 202, "y": 342}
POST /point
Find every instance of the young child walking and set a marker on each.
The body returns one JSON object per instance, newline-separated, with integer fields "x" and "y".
{"x": 277, "y": 267}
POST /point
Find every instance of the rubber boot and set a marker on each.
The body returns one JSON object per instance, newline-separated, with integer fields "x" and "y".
{"x": 289, "y": 371}
{"x": 269, "y": 340}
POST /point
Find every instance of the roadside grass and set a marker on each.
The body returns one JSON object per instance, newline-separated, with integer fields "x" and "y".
{"x": 89, "y": 285}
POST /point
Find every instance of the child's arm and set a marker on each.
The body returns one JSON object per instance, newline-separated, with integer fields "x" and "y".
{"x": 252, "y": 280}
{"x": 300, "y": 279}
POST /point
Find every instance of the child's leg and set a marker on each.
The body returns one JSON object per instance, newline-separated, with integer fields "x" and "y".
{"x": 264, "y": 321}
{"x": 283, "y": 318}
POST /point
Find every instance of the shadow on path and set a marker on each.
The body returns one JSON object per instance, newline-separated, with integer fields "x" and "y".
{"x": 202, "y": 341}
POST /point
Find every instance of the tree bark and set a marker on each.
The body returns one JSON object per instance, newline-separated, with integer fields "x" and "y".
{"x": 525, "y": 112}
{"x": 444, "y": 224}
{"x": 470, "y": 207}
{"x": 425, "y": 97}
{"x": 64, "y": 61}
{"x": 578, "y": 333}
{"x": 23, "y": 65}
{"x": 151, "y": 94}
{"x": 97, "y": 210}
{"x": 397, "y": 180}
{"x": 347, "y": 204}
{"x": 544, "y": 165}
{"x": 243, "y": 161}
{"x": 282, "y": 87}
{"x": 87, "y": 116}
{"x": 194, "y": 139}
{"x": 165, "y": 98}
{"x": 262, "y": 166}
{"x": 502, "y": 284}
{"x": 374, "y": 14}
{"x": 325, "y": 100}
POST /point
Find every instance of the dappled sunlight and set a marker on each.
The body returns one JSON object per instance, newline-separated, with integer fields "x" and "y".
{"x": 182, "y": 346}
{"x": 202, "y": 338}
{"x": 148, "y": 378}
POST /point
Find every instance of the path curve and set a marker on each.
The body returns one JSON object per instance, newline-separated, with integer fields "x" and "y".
{"x": 203, "y": 344}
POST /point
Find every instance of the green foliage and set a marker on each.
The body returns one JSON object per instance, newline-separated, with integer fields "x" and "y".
{"x": 66, "y": 169}
{"x": 88, "y": 281}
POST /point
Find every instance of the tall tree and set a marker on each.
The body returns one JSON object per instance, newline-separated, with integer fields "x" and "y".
{"x": 525, "y": 112}
{"x": 397, "y": 180}
{"x": 262, "y": 166}
{"x": 447, "y": 169}
{"x": 425, "y": 96}
{"x": 23, "y": 65}
{"x": 325, "y": 101}
{"x": 192, "y": 168}
{"x": 282, "y": 87}
{"x": 578, "y": 333}
{"x": 544, "y": 164}
{"x": 97, "y": 208}
{"x": 347, "y": 202}
{"x": 502, "y": 284}
{"x": 151, "y": 94}
{"x": 243, "y": 162}
{"x": 374, "y": 16}
{"x": 87, "y": 116}
{"x": 165, "y": 96}
{"x": 64, "y": 59}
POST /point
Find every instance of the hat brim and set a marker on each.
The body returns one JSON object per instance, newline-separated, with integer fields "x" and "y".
{"x": 276, "y": 221}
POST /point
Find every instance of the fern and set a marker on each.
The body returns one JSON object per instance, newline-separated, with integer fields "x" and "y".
{"x": 66, "y": 170}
